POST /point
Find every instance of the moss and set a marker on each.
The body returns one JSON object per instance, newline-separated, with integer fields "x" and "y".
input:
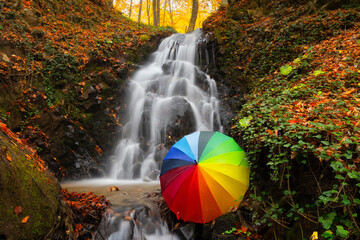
{"x": 144, "y": 38}
{"x": 22, "y": 184}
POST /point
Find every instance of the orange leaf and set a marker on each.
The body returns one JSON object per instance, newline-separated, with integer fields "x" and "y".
{"x": 18, "y": 210}
{"x": 296, "y": 120}
{"x": 8, "y": 157}
{"x": 25, "y": 219}
{"x": 244, "y": 229}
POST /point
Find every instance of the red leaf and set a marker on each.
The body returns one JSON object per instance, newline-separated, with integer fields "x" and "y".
{"x": 18, "y": 210}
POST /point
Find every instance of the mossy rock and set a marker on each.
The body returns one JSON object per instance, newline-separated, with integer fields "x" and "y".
{"x": 225, "y": 223}
{"x": 24, "y": 183}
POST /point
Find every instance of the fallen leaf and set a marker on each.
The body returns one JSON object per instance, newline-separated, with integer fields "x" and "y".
{"x": 293, "y": 155}
{"x": 25, "y": 219}
{"x": 18, "y": 210}
{"x": 8, "y": 157}
{"x": 114, "y": 188}
{"x": 176, "y": 226}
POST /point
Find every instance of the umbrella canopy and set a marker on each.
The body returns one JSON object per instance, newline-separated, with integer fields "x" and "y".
{"x": 204, "y": 175}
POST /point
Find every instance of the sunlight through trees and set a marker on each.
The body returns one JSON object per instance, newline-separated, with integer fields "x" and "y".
{"x": 182, "y": 15}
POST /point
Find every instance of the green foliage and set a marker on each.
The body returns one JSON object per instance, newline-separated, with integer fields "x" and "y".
{"x": 341, "y": 232}
{"x": 144, "y": 38}
{"x": 229, "y": 231}
{"x": 328, "y": 235}
{"x": 318, "y": 72}
{"x": 286, "y": 70}
{"x": 327, "y": 220}
{"x": 295, "y": 118}
{"x": 244, "y": 122}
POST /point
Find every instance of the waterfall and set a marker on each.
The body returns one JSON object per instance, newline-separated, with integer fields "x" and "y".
{"x": 166, "y": 99}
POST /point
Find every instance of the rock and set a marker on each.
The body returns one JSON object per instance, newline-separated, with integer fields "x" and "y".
{"x": 96, "y": 172}
{"x": 154, "y": 174}
{"x": 87, "y": 93}
{"x": 16, "y": 119}
{"x": 92, "y": 106}
{"x": 109, "y": 78}
{"x": 50, "y": 120}
{"x": 147, "y": 179}
{"x": 225, "y": 223}
{"x": 5, "y": 57}
{"x": 136, "y": 170}
{"x": 167, "y": 68}
{"x": 30, "y": 17}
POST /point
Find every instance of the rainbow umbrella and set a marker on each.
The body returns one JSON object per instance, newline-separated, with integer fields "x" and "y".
{"x": 203, "y": 176}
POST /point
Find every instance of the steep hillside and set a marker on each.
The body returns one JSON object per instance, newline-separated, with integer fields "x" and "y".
{"x": 300, "y": 125}
{"x": 62, "y": 68}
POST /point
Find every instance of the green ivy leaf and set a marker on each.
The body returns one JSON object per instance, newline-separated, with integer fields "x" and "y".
{"x": 318, "y": 72}
{"x": 325, "y": 143}
{"x": 328, "y": 234}
{"x": 338, "y": 166}
{"x": 297, "y": 60}
{"x": 341, "y": 232}
{"x": 328, "y": 220}
{"x": 286, "y": 70}
{"x": 244, "y": 122}
{"x": 354, "y": 175}
{"x": 345, "y": 200}
{"x": 337, "y": 176}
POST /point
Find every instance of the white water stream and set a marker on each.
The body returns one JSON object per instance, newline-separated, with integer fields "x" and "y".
{"x": 167, "y": 98}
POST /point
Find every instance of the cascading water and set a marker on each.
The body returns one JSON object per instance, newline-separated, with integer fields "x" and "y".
{"x": 167, "y": 99}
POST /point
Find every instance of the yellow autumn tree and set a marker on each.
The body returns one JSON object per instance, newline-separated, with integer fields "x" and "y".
{"x": 173, "y": 13}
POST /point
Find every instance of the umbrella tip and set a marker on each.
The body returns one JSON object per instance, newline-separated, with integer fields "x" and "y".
{"x": 195, "y": 161}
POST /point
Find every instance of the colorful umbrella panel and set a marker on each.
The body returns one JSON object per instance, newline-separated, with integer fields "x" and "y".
{"x": 203, "y": 176}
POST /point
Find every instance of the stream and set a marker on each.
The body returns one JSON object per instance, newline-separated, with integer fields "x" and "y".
{"x": 132, "y": 215}
{"x": 166, "y": 99}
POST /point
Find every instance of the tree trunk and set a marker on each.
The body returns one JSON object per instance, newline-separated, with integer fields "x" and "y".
{"x": 148, "y": 11}
{"x": 164, "y": 13}
{"x": 171, "y": 13}
{"x": 139, "y": 18}
{"x": 158, "y": 12}
{"x": 194, "y": 12}
{"x": 130, "y": 9}
{"x": 155, "y": 16}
